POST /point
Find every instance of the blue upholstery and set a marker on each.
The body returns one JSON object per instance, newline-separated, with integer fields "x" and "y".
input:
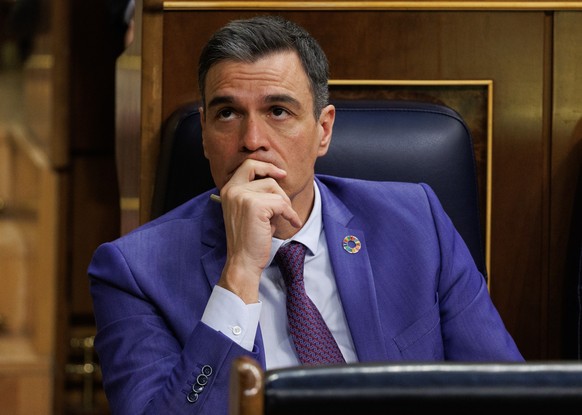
{"x": 375, "y": 140}
{"x": 414, "y": 388}
{"x": 572, "y": 304}
{"x": 421, "y": 388}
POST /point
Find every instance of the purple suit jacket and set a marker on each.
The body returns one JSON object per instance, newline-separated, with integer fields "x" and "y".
{"x": 412, "y": 293}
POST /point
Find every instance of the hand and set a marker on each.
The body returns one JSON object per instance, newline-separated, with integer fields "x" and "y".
{"x": 254, "y": 206}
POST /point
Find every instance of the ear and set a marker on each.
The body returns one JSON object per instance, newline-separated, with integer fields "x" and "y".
{"x": 326, "y": 120}
{"x": 203, "y": 127}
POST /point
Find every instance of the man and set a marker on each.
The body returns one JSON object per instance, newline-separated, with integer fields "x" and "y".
{"x": 177, "y": 300}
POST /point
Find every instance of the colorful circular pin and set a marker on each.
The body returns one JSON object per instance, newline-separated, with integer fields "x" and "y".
{"x": 351, "y": 244}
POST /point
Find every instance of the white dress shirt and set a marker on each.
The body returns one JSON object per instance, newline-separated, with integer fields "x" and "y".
{"x": 227, "y": 313}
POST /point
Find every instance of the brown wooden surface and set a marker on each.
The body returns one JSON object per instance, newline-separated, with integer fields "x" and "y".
{"x": 246, "y": 391}
{"x": 60, "y": 190}
{"x": 531, "y": 57}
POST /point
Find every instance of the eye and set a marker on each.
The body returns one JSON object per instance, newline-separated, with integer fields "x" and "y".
{"x": 280, "y": 113}
{"x": 225, "y": 114}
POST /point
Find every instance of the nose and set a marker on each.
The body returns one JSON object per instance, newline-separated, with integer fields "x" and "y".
{"x": 254, "y": 134}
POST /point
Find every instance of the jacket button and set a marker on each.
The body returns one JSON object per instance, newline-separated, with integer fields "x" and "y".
{"x": 207, "y": 370}
{"x": 202, "y": 379}
{"x": 192, "y": 397}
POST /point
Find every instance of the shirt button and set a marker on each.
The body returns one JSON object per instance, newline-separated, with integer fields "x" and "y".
{"x": 236, "y": 330}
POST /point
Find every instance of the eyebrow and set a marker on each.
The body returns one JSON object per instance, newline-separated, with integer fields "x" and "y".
{"x": 282, "y": 98}
{"x": 225, "y": 99}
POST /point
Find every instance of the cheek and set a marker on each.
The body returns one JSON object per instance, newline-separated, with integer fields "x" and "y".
{"x": 218, "y": 146}
{"x": 219, "y": 169}
{"x": 219, "y": 153}
{"x": 301, "y": 157}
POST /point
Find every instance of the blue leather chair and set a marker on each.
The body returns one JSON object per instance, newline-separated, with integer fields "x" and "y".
{"x": 453, "y": 388}
{"x": 375, "y": 140}
{"x": 572, "y": 305}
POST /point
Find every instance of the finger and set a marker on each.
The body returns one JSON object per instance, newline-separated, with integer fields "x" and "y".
{"x": 251, "y": 170}
{"x": 280, "y": 206}
{"x": 269, "y": 185}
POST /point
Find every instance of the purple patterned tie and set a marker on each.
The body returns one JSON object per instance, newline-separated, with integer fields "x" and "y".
{"x": 313, "y": 340}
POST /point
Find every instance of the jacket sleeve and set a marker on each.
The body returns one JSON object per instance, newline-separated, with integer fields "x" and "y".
{"x": 146, "y": 368}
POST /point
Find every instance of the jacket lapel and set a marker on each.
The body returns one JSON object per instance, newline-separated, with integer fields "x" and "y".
{"x": 212, "y": 236}
{"x": 354, "y": 279}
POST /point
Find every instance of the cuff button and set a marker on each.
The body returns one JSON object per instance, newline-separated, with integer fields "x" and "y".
{"x": 192, "y": 397}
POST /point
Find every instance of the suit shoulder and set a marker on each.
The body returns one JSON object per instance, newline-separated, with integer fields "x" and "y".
{"x": 191, "y": 214}
{"x": 370, "y": 190}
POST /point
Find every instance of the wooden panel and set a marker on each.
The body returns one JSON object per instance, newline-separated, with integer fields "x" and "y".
{"x": 48, "y": 263}
{"x": 278, "y": 5}
{"x": 127, "y": 126}
{"x": 60, "y": 190}
{"x": 32, "y": 215}
{"x": 128, "y": 133}
{"x": 26, "y": 385}
{"x": 28, "y": 245}
{"x": 95, "y": 219}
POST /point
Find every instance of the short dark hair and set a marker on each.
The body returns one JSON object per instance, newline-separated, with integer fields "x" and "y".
{"x": 248, "y": 40}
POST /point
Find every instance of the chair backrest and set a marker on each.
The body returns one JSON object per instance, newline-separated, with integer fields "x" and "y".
{"x": 413, "y": 388}
{"x": 573, "y": 278}
{"x": 375, "y": 140}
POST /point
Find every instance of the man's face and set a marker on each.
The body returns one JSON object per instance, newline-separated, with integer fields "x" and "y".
{"x": 264, "y": 111}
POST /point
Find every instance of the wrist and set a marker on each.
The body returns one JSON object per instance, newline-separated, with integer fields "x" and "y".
{"x": 241, "y": 281}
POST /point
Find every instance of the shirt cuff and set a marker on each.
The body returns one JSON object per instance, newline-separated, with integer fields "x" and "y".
{"x": 227, "y": 313}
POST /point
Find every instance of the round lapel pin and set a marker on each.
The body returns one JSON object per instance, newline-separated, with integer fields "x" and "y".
{"x": 351, "y": 244}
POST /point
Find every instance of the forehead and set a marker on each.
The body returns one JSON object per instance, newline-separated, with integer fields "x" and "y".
{"x": 279, "y": 70}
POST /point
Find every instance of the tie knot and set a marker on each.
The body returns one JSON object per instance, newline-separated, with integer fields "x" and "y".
{"x": 290, "y": 259}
